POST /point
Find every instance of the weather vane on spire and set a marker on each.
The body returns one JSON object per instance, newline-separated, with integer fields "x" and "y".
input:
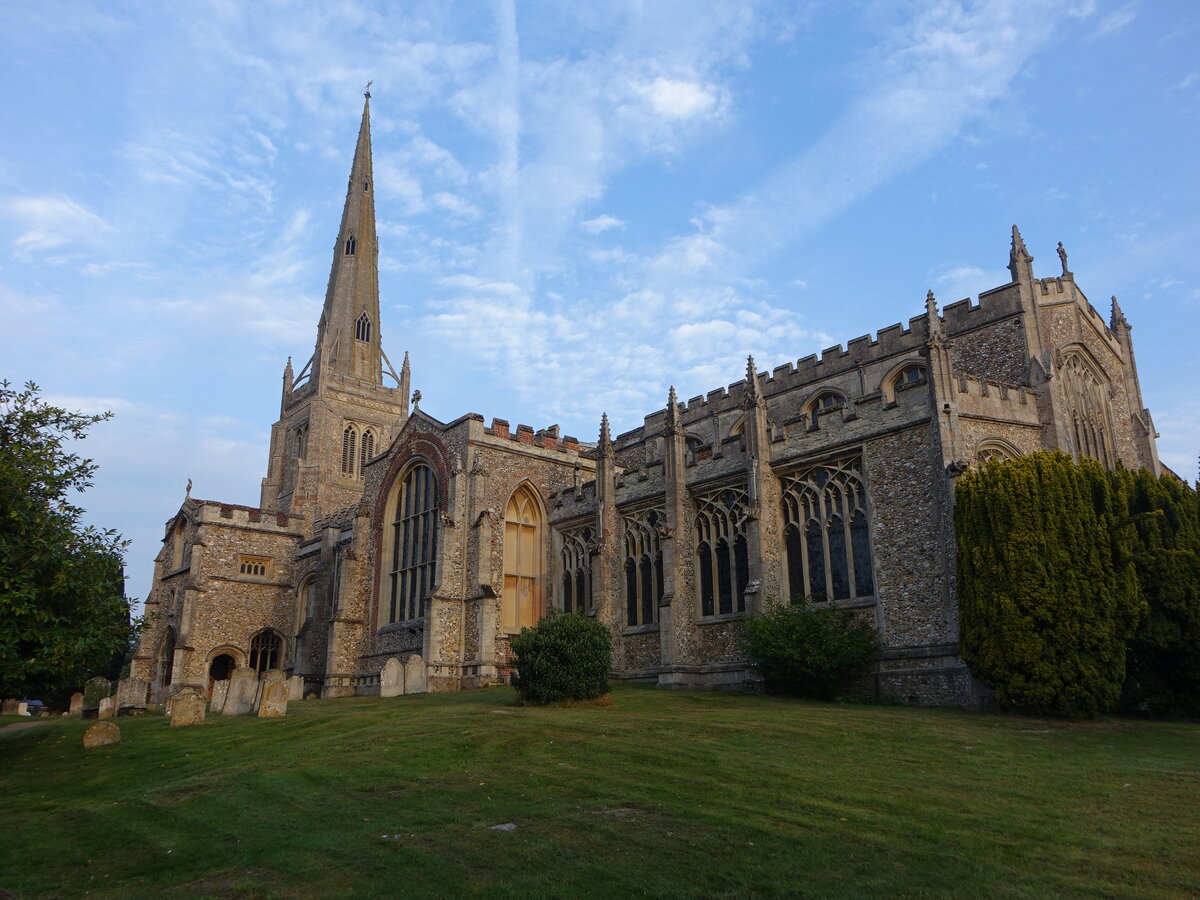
{"x": 367, "y": 92}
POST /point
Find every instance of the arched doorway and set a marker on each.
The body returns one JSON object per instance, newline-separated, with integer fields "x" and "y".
{"x": 220, "y": 669}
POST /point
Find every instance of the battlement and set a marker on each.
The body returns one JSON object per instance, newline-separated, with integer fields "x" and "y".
{"x": 995, "y": 399}
{"x": 545, "y": 438}
{"x": 235, "y": 513}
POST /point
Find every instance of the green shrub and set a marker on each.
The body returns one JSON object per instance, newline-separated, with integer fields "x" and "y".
{"x": 1047, "y": 596}
{"x": 809, "y": 652}
{"x": 566, "y": 656}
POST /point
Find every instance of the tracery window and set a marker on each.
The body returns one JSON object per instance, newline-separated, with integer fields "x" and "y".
{"x": 643, "y": 567}
{"x": 1086, "y": 392}
{"x": 722, "y": 561}
{"x": 301, "y": 441}
{"x": 362, "y": 328}
{"x": 368, "y": 447}
{"x": 351, "y": 245}
{"x": 266, "y": 650}
{"x": 349, "y": 445}
{"x": 826, "y": 535}
{"x": 414, "y": 510}
{"x": 576, "y": 563}
{"x": 522, "y": 602}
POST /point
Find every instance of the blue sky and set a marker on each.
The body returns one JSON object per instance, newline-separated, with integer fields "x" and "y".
{"x": 579, "y": 203}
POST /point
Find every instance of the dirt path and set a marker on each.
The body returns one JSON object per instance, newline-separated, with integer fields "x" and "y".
{"x": 17, "y": 726}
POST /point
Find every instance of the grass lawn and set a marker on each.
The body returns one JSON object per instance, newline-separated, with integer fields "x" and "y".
{"x": 661, "y": 794}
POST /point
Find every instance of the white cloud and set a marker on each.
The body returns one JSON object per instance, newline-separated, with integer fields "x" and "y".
{"x": 676, "y": 99}
{"x": 1115, "y": 21}
{"x": 51, "y": 222}
{"x": 603, "y": 223}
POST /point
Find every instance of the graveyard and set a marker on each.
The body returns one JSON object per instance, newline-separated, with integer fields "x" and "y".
{"x": 660, "y": 794}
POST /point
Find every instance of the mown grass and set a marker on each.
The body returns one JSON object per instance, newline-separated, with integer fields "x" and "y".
{"x": 659, "y": 795}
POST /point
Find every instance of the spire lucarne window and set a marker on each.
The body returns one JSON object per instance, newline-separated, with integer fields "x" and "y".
{"x": 362, "y": 328}
{"x": 351, "y": 244}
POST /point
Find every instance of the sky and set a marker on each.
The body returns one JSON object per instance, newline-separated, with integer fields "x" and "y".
{"x": 579, "y": 203}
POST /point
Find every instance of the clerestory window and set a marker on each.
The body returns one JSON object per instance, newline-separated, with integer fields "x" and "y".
{"x": 722, "y": 559}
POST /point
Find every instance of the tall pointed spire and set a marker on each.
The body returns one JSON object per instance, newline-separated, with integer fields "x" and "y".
{"x": 754, "y": 394}
{"x": 348, "y": 341}
{"x": 605, "y": 445}
{"x": 931, "y": 314}
{"x": 1020, "y": 263}
{"x": 1117, "y": 319}
{"x": 674, "y": 423}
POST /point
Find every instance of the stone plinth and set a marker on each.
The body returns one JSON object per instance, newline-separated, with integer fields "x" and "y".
{"x": 187, "y": 708}
{"x": 391, "y": 678}
{"x": 101, "y": 735}
{"x": 414, "y": 675}
{"x": 273, "y": 696}
{"x": 243, "y": 686}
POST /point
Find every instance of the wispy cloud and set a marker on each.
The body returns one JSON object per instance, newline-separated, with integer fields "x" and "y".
{"x": 51, "y": 223}
{"x": 1116, "y": 20}
{"x": 603, "y": 223}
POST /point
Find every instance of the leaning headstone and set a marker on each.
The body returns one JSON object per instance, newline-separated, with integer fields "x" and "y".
{"x": 243, "y": 685}
{"x": 187, "y": 708}
{"x": 414, "y": 675}
{"x": 273, "y": 695}
{"x": 9, "y": 708}
{"x": 108, "y": 708}
{"x": 391, "y": 679}
{"x": 132, "y": 692}
{"x": 101, "y": 735}
{"x": 76, "y": 708}
{"x": 296, "y": 687}
{"x": 220, "y": 690}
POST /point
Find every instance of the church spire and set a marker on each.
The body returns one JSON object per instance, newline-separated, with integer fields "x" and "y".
{"x": 348, "y": 341}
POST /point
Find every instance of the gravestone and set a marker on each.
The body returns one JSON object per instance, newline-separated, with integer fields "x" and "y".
{"x": 9, "y": 708}
{"x": 414, "y": 675}
{"x": 187, "y": 708}
{"x": 220, "y": 691}
{"x": 391, "y": 679}
{"x": 23, "y": 709}
{"x": 101, "y": 735}
{"x": 132, "y": 692}
{"x": 94, "y": 691}
{"x": 108, "y": 708}
{"x": 243, "y": 685}
{"x": 273, "y": 695}
{"x": 296, "y": 687}
{"x": 76, "y": 708}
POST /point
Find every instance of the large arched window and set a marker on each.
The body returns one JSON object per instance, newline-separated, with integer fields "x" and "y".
{"x": 1088, "y": 413}
{"x": 414, "y": 510}
{"x": 349, "y": 446}
{"x": 576, "y": 564}
{"x": 826, "y": 535}
{"x": 721, "y": 556}
{"x": 266, "y": 651}
{"x": 522, "y": 602}
{"x": 643, "y": 567}
{"x": 362, "y": 328}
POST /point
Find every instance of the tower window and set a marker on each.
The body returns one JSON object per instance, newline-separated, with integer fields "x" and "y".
{"x": 368, "y": 447}
{"x": 350, "y": 245}
{"x": 362, "y": 328}
{"x": 349, "y": 445}
{"x": 258, "y": 566}
{"x": 366, "y": 185}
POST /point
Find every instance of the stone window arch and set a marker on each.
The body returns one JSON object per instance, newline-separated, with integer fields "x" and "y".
{"x": 351, "y": 245}
{"x": 989, "y": 449}
{"x": 643, "y": 566}
{"x": 266, "y": 651}
{"x": 906, "y": 374}
{"x": 362, "y": 328}
{"x": 166, "y": 657}
{"x": 1089, "y": 414}
{"x": 575, "y": 561}
{"x": 411, "y": 544}
{"x": 722, "y": 560}
{"x": 179, "y": 543}
{"x": 523, "y": 598}
{"x": 349, "y": 454}
{"x": 822, "y": 402}
{"x": 827, "y": 540}
{"x": 368, "y": 447}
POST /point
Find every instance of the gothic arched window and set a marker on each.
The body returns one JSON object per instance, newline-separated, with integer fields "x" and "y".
{"x": 166, "y": 657}
{"x": 362, "y": 328}
{"x": 826, "y": 537}
{"x": 643, "y": 567}
{"x": 1088, "y": 414}
{"x": 351, "y": 245}
{"x": 266, "y": 651}
{"x": 906, "y": 375}
{"x": 576, "y": 562}
{"x": 368, "y": 447}
{"x": 349, "y": 446}
{"x": 522, "y": 601}
{"x": 412, "y": 565}
{"x": 721, "y": 555}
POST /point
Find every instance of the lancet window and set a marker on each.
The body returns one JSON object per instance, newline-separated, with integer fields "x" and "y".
{"x": 351, "y": 245}
{"x": 722, "y": 559}
{"x": 826, "y": 533}
{"x": 413, "y": 508}
{"x": 643, "y": 567}
{"x": 266, "y": 651}
{"x": 575, "y": 559}
{"x": 368, "y": 447}
{"x": 349, "y": 446}
{"x": 522, "y": 602}
{"x": 1086, "y": 392}
{"x": 362, "y": 328}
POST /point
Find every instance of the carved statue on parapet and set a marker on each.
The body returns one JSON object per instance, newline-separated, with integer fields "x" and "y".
{"x": 957, "y": 467}
{"x": 1062, "y": 255}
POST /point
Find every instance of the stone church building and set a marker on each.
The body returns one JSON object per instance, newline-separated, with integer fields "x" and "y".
{"x": 382, "y": 532}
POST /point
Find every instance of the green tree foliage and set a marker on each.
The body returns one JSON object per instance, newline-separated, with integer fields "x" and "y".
{"x": 809, "y": 652}
{"x": 1164, "y": 653}
{"x": 566, "y": 656}
{"x": 1048, "y": 599}
{"x": 63, "y": 613}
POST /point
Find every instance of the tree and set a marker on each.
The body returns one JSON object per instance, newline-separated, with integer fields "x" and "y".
{"x": 1048, "y": 597}
{"x": 63, "y": 611}
{"x": 566, "y": 656}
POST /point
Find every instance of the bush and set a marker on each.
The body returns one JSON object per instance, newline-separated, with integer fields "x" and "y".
{"x": 566, "y": 656}
{"x": 809, "y": 652}
{"x": 1047, "y": 596}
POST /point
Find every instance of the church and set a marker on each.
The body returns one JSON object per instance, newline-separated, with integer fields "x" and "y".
{"x": 384, "y": 533}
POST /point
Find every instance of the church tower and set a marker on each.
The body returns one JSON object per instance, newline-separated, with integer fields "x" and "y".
{"x": 338, "y": 413}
